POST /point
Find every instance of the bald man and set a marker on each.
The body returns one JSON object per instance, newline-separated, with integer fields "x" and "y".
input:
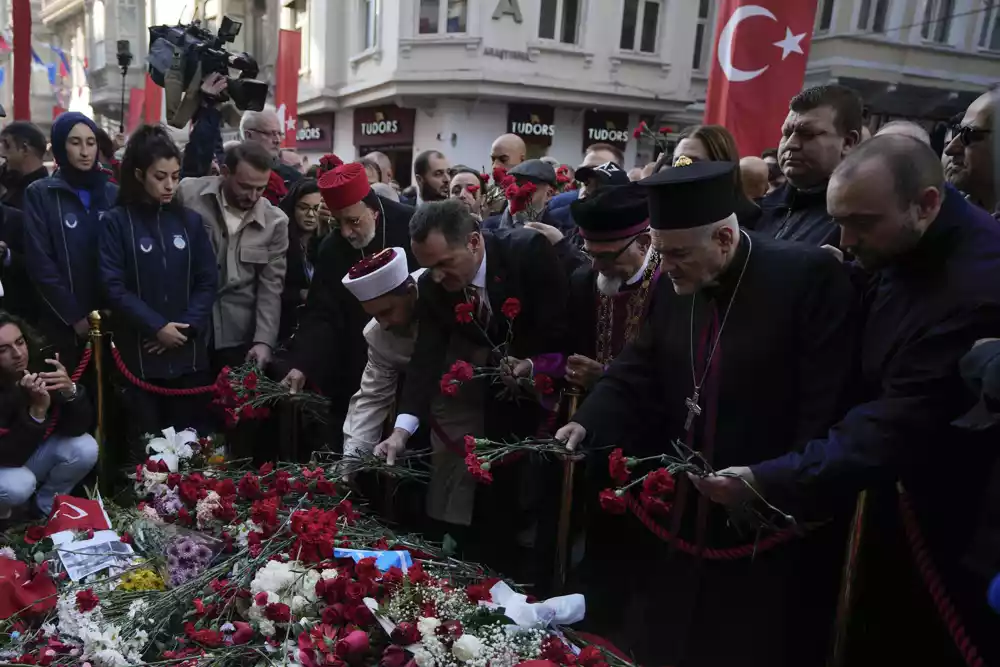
{"x": 906, "y": 128}
{"x": 754, "y": 173}
{"x": 508, "y": 151}
{"x": 384, "y": 165}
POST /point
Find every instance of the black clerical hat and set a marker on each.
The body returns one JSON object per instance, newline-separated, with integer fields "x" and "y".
{"x": 980, "y": 368}
{"x": 612, "y": 212}
{"x": 697, "y": 194}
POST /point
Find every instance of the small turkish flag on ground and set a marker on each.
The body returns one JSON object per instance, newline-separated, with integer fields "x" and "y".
{"x": 19, "y": 591}
{"x": 69, "y": 513}
{"x": 758, "y": 65}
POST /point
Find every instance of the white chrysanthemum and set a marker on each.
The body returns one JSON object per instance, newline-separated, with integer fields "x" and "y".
{"x": 329, "y": 574}
{"x": 427, "y": 625}
{"x": 7, "y": 552}
{"x": 110, "y": 658}
{"x": 423, "y": 657}
{"x": 266, "y": 627}
{"x": 307, "y": 585}
{"x": 467, "y": 647}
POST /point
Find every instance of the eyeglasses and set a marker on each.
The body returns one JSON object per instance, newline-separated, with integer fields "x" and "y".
{"x": 969, "y": 135}
{"x": 274, "y": 135}
{"x": 609, "y": 257}
{"x": 306, "y": 210}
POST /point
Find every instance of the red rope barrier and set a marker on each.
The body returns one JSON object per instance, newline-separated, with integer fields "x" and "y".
{"x": 88, "y": 352}
{"x": 935, "y": 585}
{"x": 152, "y": 388}
{"x": 709, "y": 553}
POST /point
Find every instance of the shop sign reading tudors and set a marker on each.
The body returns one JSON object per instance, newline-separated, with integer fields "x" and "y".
{"x": 535, "y": 123}
{"x": 606, "y": 127}
{"x": 383, "y": 126}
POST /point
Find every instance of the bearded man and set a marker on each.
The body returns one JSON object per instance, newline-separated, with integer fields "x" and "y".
{"x": 329, "y": 347}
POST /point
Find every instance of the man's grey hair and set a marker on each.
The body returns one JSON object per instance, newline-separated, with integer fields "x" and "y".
{"x": 252, "y": 119}
{"x": 385, "y": 190}
{"x": 907, "y": 128}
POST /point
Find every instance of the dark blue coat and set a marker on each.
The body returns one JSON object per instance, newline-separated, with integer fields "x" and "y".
{"x": 61, "y": 237}
{"x": 559, "y": 211}
{"x": 157, "y": 266}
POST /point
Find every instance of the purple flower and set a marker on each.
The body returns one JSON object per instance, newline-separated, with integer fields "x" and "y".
{"x": 186, "y": 548}
{"x": 173, "y": 562}
{"x": 204, "y": 553}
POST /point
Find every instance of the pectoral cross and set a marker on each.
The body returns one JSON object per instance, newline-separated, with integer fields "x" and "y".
{"x": 694, "y": 410}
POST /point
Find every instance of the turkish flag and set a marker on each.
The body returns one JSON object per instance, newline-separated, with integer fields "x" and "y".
{"x": 136, "y": 103}
{"x": 758, "y": 65}
{"x": 69, "y": 513}
{"x": 153, "y": 102}
{"x": 286, "y": 86}
{"x": 19, "y": 590}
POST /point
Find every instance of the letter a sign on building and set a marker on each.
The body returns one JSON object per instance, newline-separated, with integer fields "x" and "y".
{"x": 508, "y": 7}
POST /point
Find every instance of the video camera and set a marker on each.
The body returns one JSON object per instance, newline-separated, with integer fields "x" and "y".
{"x": 197, "y": 46}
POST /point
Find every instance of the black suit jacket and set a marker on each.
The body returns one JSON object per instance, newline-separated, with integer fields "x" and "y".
{"x": 521, "y": 264}
{"x": 19, "y": 294}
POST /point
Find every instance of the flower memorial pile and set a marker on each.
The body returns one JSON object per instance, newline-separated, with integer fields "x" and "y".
{"x": 274, "y": 566}
{"x": 462, "y": 371}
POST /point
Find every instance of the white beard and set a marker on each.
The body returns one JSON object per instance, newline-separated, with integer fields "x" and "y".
{"x": 608, "y": 286}
{"x": 362, "y": 243}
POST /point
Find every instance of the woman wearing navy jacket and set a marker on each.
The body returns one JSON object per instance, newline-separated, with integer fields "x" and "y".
{"x": 62, "y": 225}
{"x": 159, "y": 275}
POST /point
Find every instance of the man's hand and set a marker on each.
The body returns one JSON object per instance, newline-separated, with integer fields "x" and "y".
{"x": 82, "y": 328}
{"x": 295, "y": 380}
{"x": 170, "y": 335}
{"x": 393, "y": 446}
{"x": 260, "y": 354}
{"x": 572, "y": 434}
{"x": 513, "y": 369}
{"x": 731, "y": 487}
{"x": 583, "y": 371}
{"x": 57, "y": 380}
{"x": 39, "y": 399}
{"x": 551, "y": 234}
{"x": 214, "y": 85}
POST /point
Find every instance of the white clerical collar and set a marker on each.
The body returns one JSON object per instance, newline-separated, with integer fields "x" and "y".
{"x": 638, "y": 276}
{"x": 480, "y": 279}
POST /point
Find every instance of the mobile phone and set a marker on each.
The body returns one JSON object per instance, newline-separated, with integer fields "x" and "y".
{"x": 36, "y": 364}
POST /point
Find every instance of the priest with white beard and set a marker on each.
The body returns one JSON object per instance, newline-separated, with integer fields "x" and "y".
{"x": 609, "y": 297}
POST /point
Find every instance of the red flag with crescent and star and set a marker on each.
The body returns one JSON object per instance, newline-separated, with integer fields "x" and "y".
{"x": 70, "y": 513}
{"x": 758, "y": 65}
{"x": 286, "y": 85}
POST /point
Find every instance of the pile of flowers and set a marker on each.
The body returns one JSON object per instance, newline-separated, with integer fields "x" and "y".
{"x": 269, "y": 566}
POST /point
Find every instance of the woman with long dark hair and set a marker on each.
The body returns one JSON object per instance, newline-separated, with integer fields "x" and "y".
{"x": 159, "y": 273}
{"x": 62, "y": 222}
{"x": 307, "y": 225}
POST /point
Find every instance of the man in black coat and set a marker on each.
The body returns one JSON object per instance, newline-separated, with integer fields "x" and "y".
{"x": 22, "y": 145}
{"x": 329, "y": 347}
{"x": 746, "y": 351}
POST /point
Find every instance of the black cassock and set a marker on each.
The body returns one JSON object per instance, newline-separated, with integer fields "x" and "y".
{"x": 779, "y": 377}
{"x": 329, "y": 345}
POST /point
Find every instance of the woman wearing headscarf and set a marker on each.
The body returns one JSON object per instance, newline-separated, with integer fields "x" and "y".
{"x": 62, "y": 220}
{"x": 305, "y": 210}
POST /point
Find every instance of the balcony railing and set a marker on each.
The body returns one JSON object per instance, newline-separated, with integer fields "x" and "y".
{"x": 54, "y": 11}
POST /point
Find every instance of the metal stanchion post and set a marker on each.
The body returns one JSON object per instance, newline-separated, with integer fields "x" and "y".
{"x": 97, "y": 348}
{"x": 566, "y": 501}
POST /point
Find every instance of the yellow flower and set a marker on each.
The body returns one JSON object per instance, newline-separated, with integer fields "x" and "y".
{"x": 217, "y": 459}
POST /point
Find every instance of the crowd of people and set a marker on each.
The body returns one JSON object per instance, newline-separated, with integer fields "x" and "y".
{"x": 813, "y": 322}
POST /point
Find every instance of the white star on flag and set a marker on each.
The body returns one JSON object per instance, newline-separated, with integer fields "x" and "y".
{"x": 790, "y": 44}
{"x": 290, "y": 123}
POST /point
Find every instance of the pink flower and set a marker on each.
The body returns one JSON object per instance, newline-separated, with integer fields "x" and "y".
{"x": 353, "y": 644}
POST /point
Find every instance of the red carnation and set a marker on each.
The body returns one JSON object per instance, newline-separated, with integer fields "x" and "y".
{"x": 278, "y": 612}
{"x": 243, "y": 634}
{"x": 470, "y": 444}
{"x": 654, "y": 505}
{"x": 475, "y": 467}
{"x": 34, "y": 534}
{"x": 484, "y": 177}
{"x": 659, "y": 483}
{"x": 448, "y": 386}
{"x": 225, "y": 488}
{"x": 260, "y": 599}
{"x": 637, "y": 132}
{"x": 544, "y": 385}
{"x": 365, "y": 569}
{"x": 591, "y": 656}
{"x": 473, "y": 189}
{"x": 500, "y": 175}
{"x": 611, "y": 502}
{"x": 665, "y": 130}
{"x": 511, "y": 308}
{"x": 478, "y": 592}
{"x": 249, "y": 486}
{"x": 618, "y": 466}
{"x": 405, "y": 634}
{"x": 266, "y": 469}
{"x": 86, "y": 600}
{"x": 250, "y": 381}
{"x": 462, "y": 371}
{"x": 463, "y": 312}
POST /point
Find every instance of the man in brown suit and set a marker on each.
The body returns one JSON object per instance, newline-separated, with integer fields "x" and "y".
{"x": 250, "y": 237}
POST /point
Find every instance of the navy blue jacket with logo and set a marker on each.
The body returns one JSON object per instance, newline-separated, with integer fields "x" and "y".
{"x": 61, "y": 237}
{"x": 157, "y": 266}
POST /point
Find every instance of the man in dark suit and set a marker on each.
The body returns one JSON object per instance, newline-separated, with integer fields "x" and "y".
{"x": 465, "y": 265}
{"x": 330, "y": 339}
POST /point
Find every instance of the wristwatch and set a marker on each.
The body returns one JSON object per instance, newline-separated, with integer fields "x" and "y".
{"x": 71, "y": 394}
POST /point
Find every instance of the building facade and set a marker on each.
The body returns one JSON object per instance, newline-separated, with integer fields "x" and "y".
{"x": 404, "y": 76}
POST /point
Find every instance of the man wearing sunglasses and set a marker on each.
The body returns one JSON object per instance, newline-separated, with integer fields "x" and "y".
{"x": 971, "y": 150}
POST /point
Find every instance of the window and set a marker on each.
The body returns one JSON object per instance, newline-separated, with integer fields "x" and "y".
{"x": 98, "y": 21}
{"x": 369, "y": 27}
{"x": 936, "y": 26}
{"x": 559, "y": 19}
{"x": 636, "y": 14}
{"x": 295, "y": 16}
{"x": 871, "y": 18}
{"x": 453, "y": 17}
{"x": 128, "y": 19}
{"x": 989, "y": 36}
{"x": 824, "y": 17}
{"x": 702, "y": 35}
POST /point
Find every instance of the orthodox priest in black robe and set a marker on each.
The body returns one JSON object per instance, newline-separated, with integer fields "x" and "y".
{"x": 329, "y": 347}
{"x": 747, "y": 348}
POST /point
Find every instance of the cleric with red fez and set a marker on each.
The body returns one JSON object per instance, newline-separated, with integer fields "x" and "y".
{"x": 329, "y": 347}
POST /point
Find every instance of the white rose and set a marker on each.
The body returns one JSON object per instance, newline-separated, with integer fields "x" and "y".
{"x": 266, "y": 627}
{"x": 427, "y": 625}
{"x": 467, "y": 647}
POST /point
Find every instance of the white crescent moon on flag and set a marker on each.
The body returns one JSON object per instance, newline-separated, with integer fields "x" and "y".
{"x": 79, "y": 512}
{"x": 725, "y": 50}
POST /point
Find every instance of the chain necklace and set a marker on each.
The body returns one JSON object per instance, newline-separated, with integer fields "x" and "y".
{"x": 693, "y": 409}
{"x": 633, "y": 313}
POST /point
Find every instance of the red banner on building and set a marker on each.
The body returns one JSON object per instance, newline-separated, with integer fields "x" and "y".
{"x": 21, "y": 20}
{"x": 758, "y": 65}
{"x": 286, "y": 86}
{"x": 153, "y": 102}
{"x": 136, "y": 105}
